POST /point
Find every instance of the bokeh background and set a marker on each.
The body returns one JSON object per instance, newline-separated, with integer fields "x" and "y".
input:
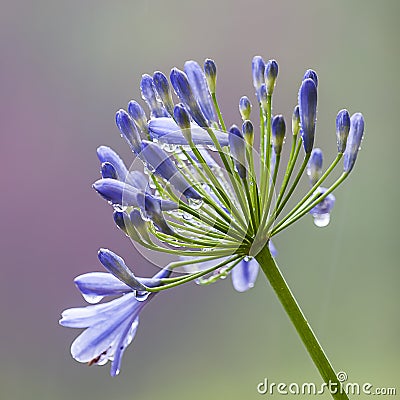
{"x": 65, "y": 68}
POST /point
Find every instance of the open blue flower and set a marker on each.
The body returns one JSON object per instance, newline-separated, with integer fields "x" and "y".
{"x": 109, "y": 327}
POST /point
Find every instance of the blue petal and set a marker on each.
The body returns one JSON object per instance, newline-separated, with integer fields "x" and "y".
{"x": 237, "y": 146}
{"x": 96, "y": 285}
{"x": 245, "y": 274}
{"x": 166, "y": 130}
{"x": 83, "y": 317}
{"x": 126, "y": 338}
{"x": 198, "y": 83}
{"x": 101, "y": 337}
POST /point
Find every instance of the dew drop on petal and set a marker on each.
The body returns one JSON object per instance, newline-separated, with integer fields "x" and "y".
{"x": 195, "y": 203}
{"x": 92, "y": 298}
{"x": 212, "y": 147}
{"x": 321, "y": 220}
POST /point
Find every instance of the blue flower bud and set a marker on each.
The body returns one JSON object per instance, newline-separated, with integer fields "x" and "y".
{"x": 182, "y": 118}
{"x": 311, "y": 74}
{"x": 107, "y": 155}
{"x": 271, "y": 73}
{"x": 296, "y": 121}
{"x": 342, "y": 129}
{"x": 258, "y": 69}
{"x": 248, "y": 132}
{"x": 314, "y": 168}
{"x": 153, "y": 211}
{"x": 108, "y": 171}
{"x": 117, "y": 192}
{"x": 245, "y": 108}
{"x": 210, "y": 70}
{"x": 128, "y": 130}
{"x": 321, "y": 212}
{"x": 158, "y": 161}
{"x": 116, "y": 265}
{"x": 278, "y": 128}
{"x": 185, "y": 94}
{"x": 166, "y": 130}
{"x": 161, "y": 84}
{"x": 137, "y": 113}
{"x": 308, "y": 112}
{"x": 149, "y": 96}
{"x": 354, "y": 141}
{"x": 237, "y": 147}
{"x": 199, "y": 86}
{"x": 119, "y": 219}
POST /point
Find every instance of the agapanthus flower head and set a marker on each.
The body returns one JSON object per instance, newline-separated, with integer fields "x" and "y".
{"x": 201, "y": 193}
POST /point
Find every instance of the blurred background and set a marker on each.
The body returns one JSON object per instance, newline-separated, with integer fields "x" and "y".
{"x": 65, "y": 68}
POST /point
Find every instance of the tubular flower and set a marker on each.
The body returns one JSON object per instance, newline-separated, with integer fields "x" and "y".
{"x": 199, "y": 192}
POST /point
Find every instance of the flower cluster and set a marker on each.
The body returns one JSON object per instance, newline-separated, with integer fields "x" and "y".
{"x": 203, "y": 193}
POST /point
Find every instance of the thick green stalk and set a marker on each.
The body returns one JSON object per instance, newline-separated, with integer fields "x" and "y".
{"x": 289, "y": 303}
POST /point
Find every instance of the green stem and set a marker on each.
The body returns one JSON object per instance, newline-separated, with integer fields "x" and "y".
{"x": 289, "y": 303}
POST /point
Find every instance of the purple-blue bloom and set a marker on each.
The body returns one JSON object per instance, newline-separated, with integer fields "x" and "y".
{"x": 163, "y": 89}
{"x": 109, "y": 327}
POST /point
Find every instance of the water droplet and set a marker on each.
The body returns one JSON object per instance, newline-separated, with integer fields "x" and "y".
{"x": 322, "y": 220}
{"x": 169, "y": 148}
{"x": 211, "y": 147}
{"x": 92, "y": 298}
{"x": 247, "y": 258}
{"x": 152, "y": 185}
{"x": 195, "y": 203}
{"x": 141, "y": 296}
{"x": 187, "y": 216}
{"x": 119, "y": 207}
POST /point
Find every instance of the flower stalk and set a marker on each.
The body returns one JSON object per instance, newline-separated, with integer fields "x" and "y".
{"x": 298, "y": 319}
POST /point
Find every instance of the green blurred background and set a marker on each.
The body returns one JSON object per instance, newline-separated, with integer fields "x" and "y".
{"x": 65, "y": 69}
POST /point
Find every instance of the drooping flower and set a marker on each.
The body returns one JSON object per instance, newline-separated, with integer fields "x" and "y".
{"x": 109, "y": 327}
{"x": 200, "y": 193}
